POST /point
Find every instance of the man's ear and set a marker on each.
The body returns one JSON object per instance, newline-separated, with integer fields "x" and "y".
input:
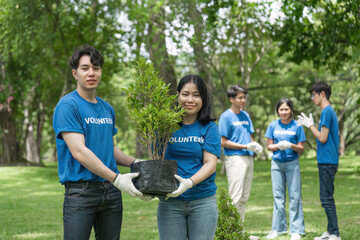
{"x": 323, "y": 94}
{"x": 232, "y": 99}
{"x": 73, "y": 71}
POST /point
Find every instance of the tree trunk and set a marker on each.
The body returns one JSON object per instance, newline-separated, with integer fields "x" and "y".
{"x": 40, "y": 127}
{"x": 156, "y": 46}
{"x": 9, "y": 147}
{"x": 33, "y": 136}
{"x": 341, "y": 135}
{"x": 8, "y": 138}
{"x": 31, "y": 149}
{"x": 198, "y": 48}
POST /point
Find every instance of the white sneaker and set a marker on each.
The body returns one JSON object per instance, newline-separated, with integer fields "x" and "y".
{"x": 324, "y": 236}
{"x": 295, "y": 236}
{"x": 334, "y": 237}
{"x": 272, "y": 235}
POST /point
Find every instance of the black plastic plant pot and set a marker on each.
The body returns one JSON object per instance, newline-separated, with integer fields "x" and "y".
{"x": 156, "y": 176}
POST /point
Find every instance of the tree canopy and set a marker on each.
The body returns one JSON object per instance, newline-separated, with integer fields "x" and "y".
{"x": 226, "y": 42}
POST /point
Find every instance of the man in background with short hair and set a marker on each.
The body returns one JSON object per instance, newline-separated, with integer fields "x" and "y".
{"x": 327, "y": 139}
{"x": 236, "y": 128}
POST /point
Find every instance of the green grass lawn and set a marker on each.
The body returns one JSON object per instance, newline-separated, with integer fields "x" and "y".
{"x": 31, "y": 203}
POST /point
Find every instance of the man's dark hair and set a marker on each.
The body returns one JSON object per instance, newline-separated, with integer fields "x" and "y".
{"x": 233, "y": 91}
{"x": 95, "y": 56}
{"x": 204, "y": 115}
{"x": 318, "y": 87}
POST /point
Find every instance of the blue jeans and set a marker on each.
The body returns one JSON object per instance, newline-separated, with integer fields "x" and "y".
{"x": 327, "y": 174}
{"x": 193, "y": 220}
{"x": 92, "y": 204}
{"x": 282, "y": 174}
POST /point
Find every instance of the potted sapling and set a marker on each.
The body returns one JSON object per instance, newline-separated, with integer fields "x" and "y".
{"x": 156, "y": 116}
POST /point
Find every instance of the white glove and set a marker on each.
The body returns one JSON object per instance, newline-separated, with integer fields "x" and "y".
{"x": 138, "y": 160}
{"x": 306, "y": 121}
{"x": 254, "y": 147}
{"x": 284, "y": 145}
{"x": 251, "y": 146}
{"x": 124, "y": 184}
{"x": 185, "y": 184}
{"x": 258, "y": 149}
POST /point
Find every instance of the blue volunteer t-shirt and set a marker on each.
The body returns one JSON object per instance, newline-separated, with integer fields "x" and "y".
{"x": 291, "y": 132}
{"x": 236, "y": 128}
{"x": 328, "y": 152}
{"x": 96, "y": 121}
{"x": 186, "y": 147}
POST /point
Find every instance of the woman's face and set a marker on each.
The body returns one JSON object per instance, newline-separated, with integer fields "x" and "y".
{"x": 190, "y": 99}
{"x": 284, "y": 112}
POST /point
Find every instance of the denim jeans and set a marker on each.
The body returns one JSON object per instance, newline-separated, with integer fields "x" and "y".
{"x": 193, "y": 220}
{"x": 327, "y": 174}
{"x": 282, "y": 174}
{"x": 92, "y": 204}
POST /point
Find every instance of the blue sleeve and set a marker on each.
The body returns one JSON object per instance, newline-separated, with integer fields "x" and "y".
{"x": 212, "y": 142}
{"x": 300, "y": 133}
{"x": 325, "y": 119}
{"x": 66, "y": 119}
{"x": 224, "y": 127}
{"x": 270, "y": 131}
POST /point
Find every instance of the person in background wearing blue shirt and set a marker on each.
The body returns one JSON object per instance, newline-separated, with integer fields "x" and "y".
{"x": 84, "y": 126}
{"x": 327, "y": 139}
{"x": 286, "y": 140}
{"x": 236, "y": 128}
{"x": 190, "y": 212}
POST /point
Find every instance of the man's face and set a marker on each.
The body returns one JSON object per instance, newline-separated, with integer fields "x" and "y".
{"x": 316, "y": 97}
{"x": 239, "y": 101}
{"x": 87, "y": 75}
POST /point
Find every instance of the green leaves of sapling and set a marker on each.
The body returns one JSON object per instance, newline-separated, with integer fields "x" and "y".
{"x": 153, "y": 109}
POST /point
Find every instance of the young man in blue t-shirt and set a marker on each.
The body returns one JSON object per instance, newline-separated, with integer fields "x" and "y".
{"x": 84, "y": 126}
{"x": 327, "y": 139}
{"x": 236, "y": 128}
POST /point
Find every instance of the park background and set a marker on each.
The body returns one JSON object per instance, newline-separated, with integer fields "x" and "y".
{"x": 274, "y": 48}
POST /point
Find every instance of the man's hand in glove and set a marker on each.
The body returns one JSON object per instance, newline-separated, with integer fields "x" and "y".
{"x": 185, "y": 184}
{"x": 254, "y": 147}
{"x": 306, "y": 121}
{"x": 124, "y": 184}
{"x": 284, "y": 145}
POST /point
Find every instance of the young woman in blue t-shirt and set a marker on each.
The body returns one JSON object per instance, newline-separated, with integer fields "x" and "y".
{"x": 286, "y": 140}
{"x": 190, "y": 212}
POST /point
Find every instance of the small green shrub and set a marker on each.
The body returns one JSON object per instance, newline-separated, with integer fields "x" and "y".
{"x": 230, "y": 225}
{"x": 153, "y": 109}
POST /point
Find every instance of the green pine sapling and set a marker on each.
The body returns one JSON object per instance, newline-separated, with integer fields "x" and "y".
{"x": 153, "y": 109}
